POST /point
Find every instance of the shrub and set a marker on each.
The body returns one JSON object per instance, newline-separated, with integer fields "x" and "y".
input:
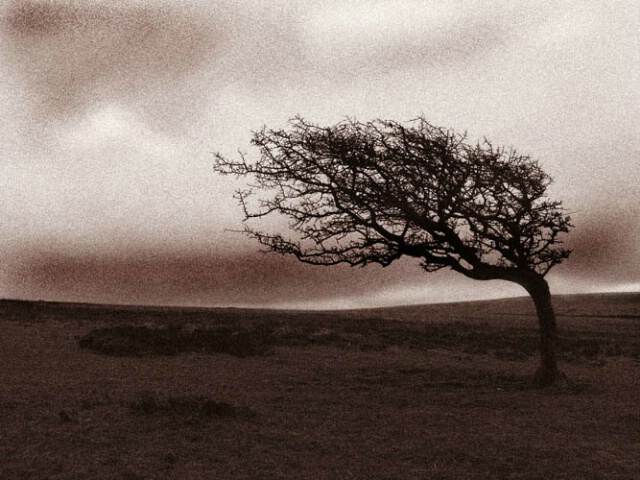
{"x": 190, "y": 406}
{"x": 128, "y": 340}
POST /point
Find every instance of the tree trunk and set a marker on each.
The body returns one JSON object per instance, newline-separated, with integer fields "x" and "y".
{"x": 548, "y": 372}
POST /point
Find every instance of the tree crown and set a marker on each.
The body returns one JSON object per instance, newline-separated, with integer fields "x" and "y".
{"x": 361, "y": 193}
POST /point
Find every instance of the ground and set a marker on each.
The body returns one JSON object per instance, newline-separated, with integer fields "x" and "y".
{"x": 366, "y": 409}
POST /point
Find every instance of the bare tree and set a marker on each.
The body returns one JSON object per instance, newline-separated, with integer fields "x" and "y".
{"x": 361, "y": 193}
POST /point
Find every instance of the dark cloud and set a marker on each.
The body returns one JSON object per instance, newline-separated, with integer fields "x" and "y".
{"x": 605, "y": 254}
{"x": 605, "y": 248}
{"x": 198, "y": 278}
{"x": 71, "y": 56}
{"x": 37, "y": 19}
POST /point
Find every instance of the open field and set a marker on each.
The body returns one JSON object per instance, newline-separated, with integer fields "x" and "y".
{"x": 428, "y": 392}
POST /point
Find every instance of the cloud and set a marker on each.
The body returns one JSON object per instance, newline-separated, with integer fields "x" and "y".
{"x": 605, "y": 248}
{"x": 111, "y": 178}
{"x": 397, "y": 34}
{"x": 199, "y": 277}
{"x": 238, "y": 275}
{"x": 70, "y": 56}
{"x": 115, "y": 268}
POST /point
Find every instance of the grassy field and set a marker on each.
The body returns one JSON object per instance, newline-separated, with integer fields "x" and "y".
{"x": 428, "y": 392}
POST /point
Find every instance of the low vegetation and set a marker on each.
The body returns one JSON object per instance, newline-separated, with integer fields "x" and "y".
{"x": 251, "y": 339}
{"x": 201, "y": 407}
{"x": 133, "y": 340}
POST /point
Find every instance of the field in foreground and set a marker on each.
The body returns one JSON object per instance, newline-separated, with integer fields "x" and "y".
{"x": 430, "y": 392}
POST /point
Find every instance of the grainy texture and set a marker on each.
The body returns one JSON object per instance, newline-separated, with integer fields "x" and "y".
{"x": 317, "y": 411}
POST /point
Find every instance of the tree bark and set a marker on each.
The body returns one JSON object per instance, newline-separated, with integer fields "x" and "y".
{"x": 548, "y": 373}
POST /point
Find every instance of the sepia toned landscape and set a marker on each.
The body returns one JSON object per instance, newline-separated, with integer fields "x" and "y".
{"x": 174, "y": 175}
{"x": 438, "y": 391}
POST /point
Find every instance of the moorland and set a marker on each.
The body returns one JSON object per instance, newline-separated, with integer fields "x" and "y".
{"x": 420, "y": 392}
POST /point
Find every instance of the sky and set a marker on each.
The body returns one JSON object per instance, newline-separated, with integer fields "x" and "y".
{"x": 111, "y": 112}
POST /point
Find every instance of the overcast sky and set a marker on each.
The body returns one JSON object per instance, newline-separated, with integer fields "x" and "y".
{"x": 111, "y": 111}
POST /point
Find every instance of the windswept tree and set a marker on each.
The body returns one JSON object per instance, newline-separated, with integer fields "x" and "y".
{"x": 361, "y": 193}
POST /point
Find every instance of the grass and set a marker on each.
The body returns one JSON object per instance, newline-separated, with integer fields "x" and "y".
{"x": 437, "y": 393}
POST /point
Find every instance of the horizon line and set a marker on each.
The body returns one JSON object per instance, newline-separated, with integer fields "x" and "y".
{"x": 139, "y": 306}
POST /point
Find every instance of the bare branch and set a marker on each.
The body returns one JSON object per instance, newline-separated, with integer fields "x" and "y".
{"x": 361, "y": 193}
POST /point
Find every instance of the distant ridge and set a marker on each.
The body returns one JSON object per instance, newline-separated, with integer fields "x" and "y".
{"x": 625, "y": 304}
{"x": 100, "y": 306}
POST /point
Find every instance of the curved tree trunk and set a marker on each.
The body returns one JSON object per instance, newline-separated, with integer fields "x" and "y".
{"x": 548, "y": 372}
{"x": 538, "y": 289}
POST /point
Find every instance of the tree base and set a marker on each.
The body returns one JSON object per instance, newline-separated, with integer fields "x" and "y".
{"x": 550, "y": 377}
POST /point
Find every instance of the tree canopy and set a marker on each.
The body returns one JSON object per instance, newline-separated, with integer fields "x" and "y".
{"x": 361, "y": 193}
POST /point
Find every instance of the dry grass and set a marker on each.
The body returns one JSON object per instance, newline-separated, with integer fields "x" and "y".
{"x": 321, "y": 407}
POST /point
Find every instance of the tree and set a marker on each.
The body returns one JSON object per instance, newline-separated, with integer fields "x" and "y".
{"x": 361, "y": 193}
